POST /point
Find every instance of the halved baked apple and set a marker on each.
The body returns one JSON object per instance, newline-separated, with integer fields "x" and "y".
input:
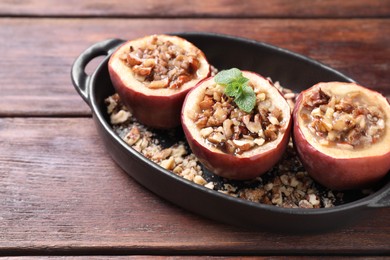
{"x": 342, "y": 134}
{"x": 237, "y": 142}
{"x": 153, "y": 74}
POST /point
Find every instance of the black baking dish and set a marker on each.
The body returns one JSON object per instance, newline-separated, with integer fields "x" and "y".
{"x": 290, "y": 69}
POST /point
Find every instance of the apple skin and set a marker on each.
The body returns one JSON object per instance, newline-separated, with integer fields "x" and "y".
{"x": 337, "y": 173}
{"x": 237, "y": 168}
{"x": 157, "y": 109}
{"x": 230, "y": 166}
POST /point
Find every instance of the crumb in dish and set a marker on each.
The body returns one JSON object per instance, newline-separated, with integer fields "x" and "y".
{"x": 286, "y": 185}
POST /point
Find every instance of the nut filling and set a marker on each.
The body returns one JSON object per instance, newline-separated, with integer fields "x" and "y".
{"x": 223, "y": 125}
{"x": 162, "y": 64}
{"x": 343, "y": 121}
{"x": 287, "y": 185}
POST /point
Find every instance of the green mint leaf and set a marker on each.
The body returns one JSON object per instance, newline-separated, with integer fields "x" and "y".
{"x": 224, "y": 77}
{"x": 236, "y": 86}
{"x": 247, "y": 100}
{"x": 233, "y": 89}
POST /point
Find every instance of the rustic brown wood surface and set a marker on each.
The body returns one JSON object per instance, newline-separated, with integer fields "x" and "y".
{"x": 183, "y": 8}
{"x": 38, "y": 53}
{"x": 61, "y": 193}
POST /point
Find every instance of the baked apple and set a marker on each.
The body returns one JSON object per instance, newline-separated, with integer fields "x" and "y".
{"x": 342, "y": 134}
{"x": 152, "y": 75}
{"x": 237, "y": 124}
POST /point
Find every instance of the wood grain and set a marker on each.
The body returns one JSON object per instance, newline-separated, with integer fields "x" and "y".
{"x": 155, "y": 257}
{"x": 37, "y": 54}
{"x": 182, "y": 8}
{"x": 60, "y": 193}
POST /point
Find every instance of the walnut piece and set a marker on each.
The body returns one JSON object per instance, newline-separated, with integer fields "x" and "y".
{"x": 162, "y": 64}
{"x": 232, "y": 130}
{"x": 347, "y": 122}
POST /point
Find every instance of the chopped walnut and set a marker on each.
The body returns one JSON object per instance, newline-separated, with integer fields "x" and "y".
{"x": 133, "y": 136}
{"x": 346, "y": 121}
{"x": 228, "y": 128}
{"x": 162, "y": 64}
{"x": 287, "y": 185}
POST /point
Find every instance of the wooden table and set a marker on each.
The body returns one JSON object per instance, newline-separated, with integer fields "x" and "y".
{"x": 60, "y": 192}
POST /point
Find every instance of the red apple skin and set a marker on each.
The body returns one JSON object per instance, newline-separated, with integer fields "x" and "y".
{"x": 231, "y": 166}
{"x": 154, "y": 110}
{"x": 237, "y": 168}
{"x": 337, "y": 173}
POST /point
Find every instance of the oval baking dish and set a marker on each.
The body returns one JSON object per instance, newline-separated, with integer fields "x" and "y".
{"x": 290, "y": 69}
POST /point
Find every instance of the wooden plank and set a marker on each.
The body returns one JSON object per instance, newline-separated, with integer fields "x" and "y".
{"x": 146, "y": 257}
{"x": 60, "y": 193}
{"x": 218, "y": 8}
{"x": 154, "y": 257}
{"x": 37, "y": 54}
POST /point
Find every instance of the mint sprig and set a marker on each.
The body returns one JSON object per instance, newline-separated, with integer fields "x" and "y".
{"x": 236, "y": 86}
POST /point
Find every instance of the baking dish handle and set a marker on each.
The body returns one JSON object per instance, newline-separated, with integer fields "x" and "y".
{"x": 382, "y": 202}
{"x": 80, "y": 78}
